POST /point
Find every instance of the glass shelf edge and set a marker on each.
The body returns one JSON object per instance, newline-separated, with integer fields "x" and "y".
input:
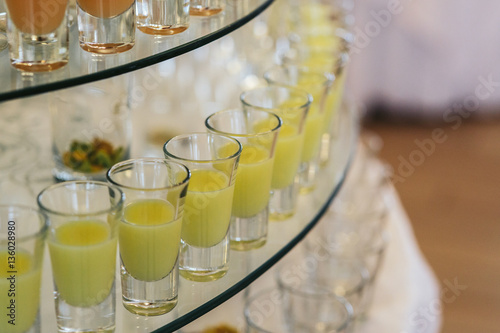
{"x": 137, "y": 64}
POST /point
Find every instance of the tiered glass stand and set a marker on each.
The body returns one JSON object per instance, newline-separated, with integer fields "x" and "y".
{"x": 25, "y": 162}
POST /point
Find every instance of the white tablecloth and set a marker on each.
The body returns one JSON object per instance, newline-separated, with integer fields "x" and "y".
{"x": 407, "y": 294}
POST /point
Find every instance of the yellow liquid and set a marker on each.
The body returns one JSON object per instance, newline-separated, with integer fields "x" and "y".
{"x": 287, "y": 156}
{"x": 312, "y": 138}
{"x": 105, "y": 8}
{"x": 315, "y": 13}
{"x": 334, "y": 99}
{"x": 207, "y": 210}
{"x": 253, "y": 182}
{"x": 83, "y": 255}
{"x": 320, "y": 60}
{"x": 316, "y": 118}
{"x": 27, "y": 292}
{"x": 149, "y": 239}
{"x": 36, "y": 17}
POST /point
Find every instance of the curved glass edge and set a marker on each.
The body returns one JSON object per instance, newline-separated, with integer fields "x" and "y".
{"x": 136, "y": 64}
{"x": 353, "y": 127}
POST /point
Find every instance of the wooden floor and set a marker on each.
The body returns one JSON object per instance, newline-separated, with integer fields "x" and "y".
{"x": 449, "y": 182}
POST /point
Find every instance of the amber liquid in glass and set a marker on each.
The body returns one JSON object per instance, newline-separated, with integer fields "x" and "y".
{"x": 106, "y": 26}
{"x": 39, "y": 34}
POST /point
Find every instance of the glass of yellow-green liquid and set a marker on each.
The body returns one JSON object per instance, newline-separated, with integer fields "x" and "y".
{"x": 22, "y": 235}
{"x": 149, "y": 232}
{"x": 213, "y": 161}
{"x": 292, "y": 106}
{"x": 318, "y": 84}
{"x": 250, "y": 211}
{"x": 325, "y": 50}
{"x": 82, "y": 243}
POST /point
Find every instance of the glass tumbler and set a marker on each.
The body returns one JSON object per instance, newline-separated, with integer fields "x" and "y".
{"x": 38, "y": 34}
{"x": 318, "y": 84}
{"x": 150, "y": 232}
{"x": 160, "y": 17}
{"x": 304, "y": 309}
{"x": 292, "y": 106}
{"x": 91, "y": 131}
{"x": 106, "y": 27}
{"x": 212, "y": 160}
{"x": 206, "y": 7}
{"x": 257, "y": 131}
{"x": 345, "y": 277}
{"x": 83, "y": 216}
{"x": 22, "y": 235}
{"x": 331, "y": 60}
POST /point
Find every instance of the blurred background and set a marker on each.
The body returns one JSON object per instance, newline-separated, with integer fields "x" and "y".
{"x": 429, "y": 75}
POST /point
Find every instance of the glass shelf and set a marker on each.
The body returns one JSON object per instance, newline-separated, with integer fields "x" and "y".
{"x": 85, "y": 67}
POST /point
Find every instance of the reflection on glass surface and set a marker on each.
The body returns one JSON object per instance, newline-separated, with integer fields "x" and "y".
{"x": 85, "y": 67}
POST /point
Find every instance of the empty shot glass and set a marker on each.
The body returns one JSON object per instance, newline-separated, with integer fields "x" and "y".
{"x": 150, "y": 232}
{"x": 318, "y": 84}
{"x": 162, "y": 17}
{"x": 206, "y": 7}
{"x": 355, "y": 236}
{"x": 38, "y": 35}
{"x": 292, "y": 106}
{"x": 83, "y": 216}
{"x": 212, "y": 160}
{"x": 106, "y": 27}
{"x": 345, "y": 277}
{"x": 263, "y": 312}
{"x": 301, "y": 309}
{"x": 257, "y": 131}
{"x": 22, "y": 236}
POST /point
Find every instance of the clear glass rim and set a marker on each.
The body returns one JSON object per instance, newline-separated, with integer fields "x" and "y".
{"x": 123, "y": 164}
{"x": 249, "y": 135}
{"x": 41, "y": 232}
{"x": 329, "y": 76}
{"x": 115, "y": 205}
{"x": 184, "y": 136}
{"x": 341, "y": 300}
{"x": 275, "y": 86}
{"x": 345, "y": 37}
{"x": 246, "y": 310}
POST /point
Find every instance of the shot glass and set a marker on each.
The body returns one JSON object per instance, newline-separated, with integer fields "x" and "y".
{"x": 356, "y": 237}
{"x": 292, "y": 106}
{"x": 160, "y": 17}
{"x": 22, "y": 236}
{"x": 318, "y": 84}
{"x": 83, "y": 216}
{"x": 106, "y": 27}
{"x": 87, "y": 139}
{"x": 206, "y": 7}
{"x": 257, "y": 131}
{"x": 150, "y": 232}
{"x": 38, "y": 34}
{"x": 263, "y": 312}
{"x": 331, "y": 59}
{"x": 312, "y": 308}
{"x": 345, "y": 277}
{"x": 212, "y": 160}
